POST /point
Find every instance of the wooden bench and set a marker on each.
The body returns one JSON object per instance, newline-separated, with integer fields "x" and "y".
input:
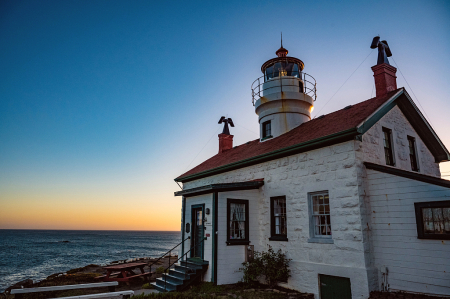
{"x": 142, "y": 274}
{"x": 110, "y": 275}
{"x": 18, "y": 293}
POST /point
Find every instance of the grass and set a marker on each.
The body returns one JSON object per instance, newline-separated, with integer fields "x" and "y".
{"x": 147, "y": 286}
{"x": 207, "y": 290}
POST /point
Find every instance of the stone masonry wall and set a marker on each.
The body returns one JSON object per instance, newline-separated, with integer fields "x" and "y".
{"x": 395, "y": 120}
{"x": 334, "y": 169}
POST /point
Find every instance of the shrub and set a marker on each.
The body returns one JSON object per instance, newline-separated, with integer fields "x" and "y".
{"x": 273, "y": 266}
{"x": 160, "y": 270}
{"x": 147, "y": 286}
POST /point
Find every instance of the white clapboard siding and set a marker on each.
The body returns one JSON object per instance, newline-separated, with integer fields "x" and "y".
{"x": 230, "y": 258}
{"x": 414, "y": 265}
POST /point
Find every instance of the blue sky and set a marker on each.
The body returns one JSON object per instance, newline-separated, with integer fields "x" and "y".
{"x": 103, "y": 103}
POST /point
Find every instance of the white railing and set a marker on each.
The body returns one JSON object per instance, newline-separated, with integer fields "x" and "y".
{"x": 306, "y": 84}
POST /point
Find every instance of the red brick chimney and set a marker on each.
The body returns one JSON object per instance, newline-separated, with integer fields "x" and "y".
{"x": 385, "y": 78}
{"x": 225, "y": 142}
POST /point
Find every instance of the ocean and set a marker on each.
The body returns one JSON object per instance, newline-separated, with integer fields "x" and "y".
{"x": 36, "y": 254}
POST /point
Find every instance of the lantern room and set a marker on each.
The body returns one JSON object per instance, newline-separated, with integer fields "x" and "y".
{"x": 283, "y": 97}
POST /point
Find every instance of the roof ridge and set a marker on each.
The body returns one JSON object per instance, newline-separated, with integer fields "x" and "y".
{"x": 341, "y": 120}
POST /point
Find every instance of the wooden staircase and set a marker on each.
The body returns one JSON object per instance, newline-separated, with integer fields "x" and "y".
{"x": 183, "y": 275}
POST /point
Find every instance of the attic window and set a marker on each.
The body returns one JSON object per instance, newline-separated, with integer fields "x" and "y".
{"x": 412, "y": 153}
{"x": 387, "y": 143}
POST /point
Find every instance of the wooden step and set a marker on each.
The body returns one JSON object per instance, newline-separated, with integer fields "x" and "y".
{"x": 158, "y": 288}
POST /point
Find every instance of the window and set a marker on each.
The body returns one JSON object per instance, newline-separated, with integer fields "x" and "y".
{"x": 320, "y": 222}
{"x": 278, "y": 221}
{"x": 266, "y": 129}
{"x": 387, "y": 142}
{"x": 433, "y": 220}
{"x": 237, "y": 219}
{"x": 412, "y": 153}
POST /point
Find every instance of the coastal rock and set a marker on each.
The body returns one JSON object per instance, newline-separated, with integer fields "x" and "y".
{"x": 21, "y": 284}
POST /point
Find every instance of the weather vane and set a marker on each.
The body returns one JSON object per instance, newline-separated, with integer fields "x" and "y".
{"x": 226, "y": 121}
{"x": 383, "y": 50}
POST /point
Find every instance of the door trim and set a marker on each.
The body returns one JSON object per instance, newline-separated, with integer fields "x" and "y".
{"x": 202, "y": 206}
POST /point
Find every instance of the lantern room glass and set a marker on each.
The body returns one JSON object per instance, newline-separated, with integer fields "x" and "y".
{"x": 280, "y": 69}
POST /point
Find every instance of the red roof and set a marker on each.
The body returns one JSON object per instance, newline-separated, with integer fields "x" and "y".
{"x": 332, "y": 123}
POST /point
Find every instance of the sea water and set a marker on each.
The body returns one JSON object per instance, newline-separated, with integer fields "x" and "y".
{"x": 36, "y": 254}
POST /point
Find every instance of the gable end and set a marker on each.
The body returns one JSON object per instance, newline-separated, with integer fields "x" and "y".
{"x": 415, "y": 118}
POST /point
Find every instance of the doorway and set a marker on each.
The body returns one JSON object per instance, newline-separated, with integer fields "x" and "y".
{"x": 197, "y": 231}
{"x": 334, "y": 287}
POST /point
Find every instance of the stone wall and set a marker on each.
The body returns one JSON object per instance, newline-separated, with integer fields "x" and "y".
{"x": 395, "y": 120}
{"x": 334, "y": 169}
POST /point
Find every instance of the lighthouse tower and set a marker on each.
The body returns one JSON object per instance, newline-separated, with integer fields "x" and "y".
{"x": 284, "y": 96}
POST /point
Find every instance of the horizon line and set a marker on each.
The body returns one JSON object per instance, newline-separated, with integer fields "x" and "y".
{"x": 111, "y": 230}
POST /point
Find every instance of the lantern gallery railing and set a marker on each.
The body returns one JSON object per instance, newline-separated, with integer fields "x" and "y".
{"x": 306, "y": 84}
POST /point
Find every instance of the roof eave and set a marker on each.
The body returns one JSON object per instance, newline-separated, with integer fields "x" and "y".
{"x": 221, "y": 188}
{"x": 287, "y": 151}
{"x": 408, "y": 174}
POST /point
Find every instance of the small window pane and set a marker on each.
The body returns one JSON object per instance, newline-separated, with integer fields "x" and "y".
{"x": 321, "y": 215}
{"x": 269, "y": 72}
{"x": 279, "y": 222}
{"x": 295, "y": 71}
{"x": 267, "y": 129}
{"x": 433, "y": 220}
{"x": 199, "y": 218}
{"x": 237, "y": 221}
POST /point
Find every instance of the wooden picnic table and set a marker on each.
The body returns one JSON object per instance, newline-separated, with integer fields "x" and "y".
{"x": 124, "y": 272}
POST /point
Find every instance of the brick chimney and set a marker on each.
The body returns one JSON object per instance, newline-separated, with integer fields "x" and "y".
{"x": 385, "y": 78}
{"x": 225, "y": 142}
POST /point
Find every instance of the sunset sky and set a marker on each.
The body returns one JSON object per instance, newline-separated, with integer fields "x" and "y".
{"x": 104, "y": 103}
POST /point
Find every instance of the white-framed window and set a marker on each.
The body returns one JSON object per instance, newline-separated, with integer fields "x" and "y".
{"x": 320, "y": 219}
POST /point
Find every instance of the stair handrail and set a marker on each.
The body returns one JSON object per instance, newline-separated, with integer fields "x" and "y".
{"x": 170, "y": 265}
{"x": 150, "y": 266}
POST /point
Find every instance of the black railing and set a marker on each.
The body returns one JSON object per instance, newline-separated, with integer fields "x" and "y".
{"x": 306, "y": 84}
{"x": 185, "y": 272}
{"x": 170, "y": 251}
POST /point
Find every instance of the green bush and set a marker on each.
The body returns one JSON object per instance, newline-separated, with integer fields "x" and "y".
{"x": 160, "y": 270}
{"x": 273, "y": 266}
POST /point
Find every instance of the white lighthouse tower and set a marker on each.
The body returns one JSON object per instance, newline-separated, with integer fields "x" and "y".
{"x": 284, "y": 96}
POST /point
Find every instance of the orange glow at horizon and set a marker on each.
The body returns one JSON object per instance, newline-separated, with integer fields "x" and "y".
{"x": 88, "y": 213}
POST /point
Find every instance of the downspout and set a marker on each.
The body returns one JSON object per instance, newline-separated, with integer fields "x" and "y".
{"x": 214, "y": 238}
{"x": 183, "y": 213}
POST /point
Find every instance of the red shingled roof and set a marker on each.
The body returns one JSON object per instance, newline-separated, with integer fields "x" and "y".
{"x": 332, "y": 123}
